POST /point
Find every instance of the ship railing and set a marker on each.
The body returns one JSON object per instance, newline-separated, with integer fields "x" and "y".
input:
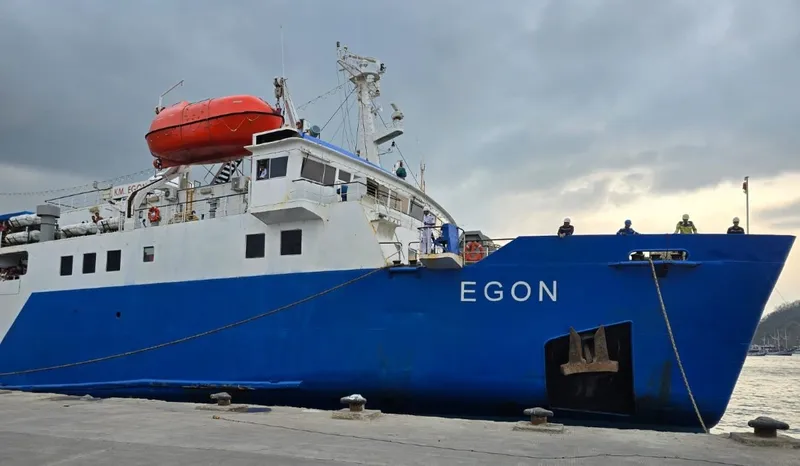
{"x": 322, "y": 193}
{"x": 310, "y": 190}
{"x": 396, "y": 257}
{"x": 192, "y": 210}
{"x": 371, "y": 196}
{"x": 81, "y": 200}
{"x": 470, "y": 254}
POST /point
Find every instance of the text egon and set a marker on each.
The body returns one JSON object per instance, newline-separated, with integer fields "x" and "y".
{"x": 520, "y": 291}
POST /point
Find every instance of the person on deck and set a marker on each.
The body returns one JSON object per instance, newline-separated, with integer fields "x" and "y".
{"x": 401, "y": 170}
{"x": 735, "y": 229}
{"x": 566, "y": 229}
{"x": 342, "y": 191}
{"x": 627, "y": 230}
{"x": 685, "y": 226}
{"x": 426, "y": 233}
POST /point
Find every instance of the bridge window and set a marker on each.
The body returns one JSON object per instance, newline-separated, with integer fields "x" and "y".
{"x": 148, "y": 254}
{"x": 113, "y": 261}
{"x": 318, "y": 171}
{"x": 254, "y": 246}
{"x": 272, "y": 168}
{"x": 66, "y": 266}
{"x": 416, "y": 210}
{"x": 89, "y": 262}
{"x": 291, "y": 242}
{"x": 344, "y": 176}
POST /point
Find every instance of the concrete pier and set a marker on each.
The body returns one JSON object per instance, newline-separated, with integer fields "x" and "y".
{"x": 46, "y": 429}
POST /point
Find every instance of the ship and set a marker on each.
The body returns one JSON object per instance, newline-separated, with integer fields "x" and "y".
{"x": 303, "y": 271}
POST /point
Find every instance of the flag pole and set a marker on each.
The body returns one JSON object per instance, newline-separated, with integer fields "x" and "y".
{"x": 746, "y": 186}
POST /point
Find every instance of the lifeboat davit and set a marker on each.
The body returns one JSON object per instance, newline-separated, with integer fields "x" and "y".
{"x": 210, "y": 131}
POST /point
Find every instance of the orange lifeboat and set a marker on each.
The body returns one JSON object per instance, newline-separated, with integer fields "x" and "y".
{"x": 210, "y": 131}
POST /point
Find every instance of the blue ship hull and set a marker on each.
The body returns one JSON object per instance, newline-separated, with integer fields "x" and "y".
{"x": 404, "y": 338}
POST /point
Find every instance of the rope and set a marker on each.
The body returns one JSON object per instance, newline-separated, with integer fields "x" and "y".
{"x": 674, "y": 346}
{"x": 197, "y": 335}
{"x": 337, "y": 109}
{"x": 321, "y": 96}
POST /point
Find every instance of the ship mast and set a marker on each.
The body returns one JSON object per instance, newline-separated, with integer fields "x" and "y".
{"x": 365, "y": 73}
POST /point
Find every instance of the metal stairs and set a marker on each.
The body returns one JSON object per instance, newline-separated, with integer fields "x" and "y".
{"x": 226, "y": 171}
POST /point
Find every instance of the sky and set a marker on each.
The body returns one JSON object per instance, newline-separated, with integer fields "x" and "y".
{"x": 524, "y": 111}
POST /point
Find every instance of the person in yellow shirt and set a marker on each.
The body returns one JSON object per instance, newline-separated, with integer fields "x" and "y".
{"x": 685, "y": 226}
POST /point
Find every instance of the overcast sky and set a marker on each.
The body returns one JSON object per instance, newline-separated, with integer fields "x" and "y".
{"x": 585, "y": 108}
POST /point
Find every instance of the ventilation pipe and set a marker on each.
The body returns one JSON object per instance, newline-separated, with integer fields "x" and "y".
{"x": 49, "y": 215}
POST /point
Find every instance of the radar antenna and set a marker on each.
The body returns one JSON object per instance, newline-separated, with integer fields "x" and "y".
{"x": 365, "y": 73}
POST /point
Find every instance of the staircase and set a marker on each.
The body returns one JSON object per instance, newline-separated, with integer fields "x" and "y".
{"x": 226, "y": 171}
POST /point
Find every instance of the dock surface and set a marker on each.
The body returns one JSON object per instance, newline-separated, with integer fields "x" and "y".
{"x": 48, "y": 429}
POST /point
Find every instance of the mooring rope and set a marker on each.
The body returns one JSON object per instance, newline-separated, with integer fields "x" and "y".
{"x": 675, "y": 346}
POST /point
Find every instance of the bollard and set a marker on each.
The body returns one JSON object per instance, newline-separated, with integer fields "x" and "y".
{"x": 765, "y": 434}
{"x": 538, "y": 415}
{"x": 538, "y": 422}
{"x": 355, "y": 402}
{"x": 766, "y": 427}
{"x": 355, "y": 409}
{"x": 223, "y": 399}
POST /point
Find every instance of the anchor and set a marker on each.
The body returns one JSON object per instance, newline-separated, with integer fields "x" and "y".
{"x": 597, "y": 361}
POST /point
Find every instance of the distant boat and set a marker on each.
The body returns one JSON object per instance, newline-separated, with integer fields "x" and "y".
{"x": 781, "y": 349}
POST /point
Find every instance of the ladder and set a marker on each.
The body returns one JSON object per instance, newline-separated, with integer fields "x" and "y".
{"x": 226, "y": 171}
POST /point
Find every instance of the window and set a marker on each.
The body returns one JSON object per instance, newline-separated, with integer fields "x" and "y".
{"x": 272, "y": 168}
{"x": 318, "y": 171}
{"x": 312, "y": 170}
{"x": 89, "y": 262}
{"x": 278, "y": 166}
{"x": 149, "y": 254}
{"x": 372, "y": 188}
{"x": 254, "y": 246}
{"x": 383, "y": 195}
{"x": 344, "y": 176}
{"x": 262, "y": 169}
{"x": 398, "y": 202}
{"x": 13, "y": 265}
{"x": 329, "y": 178}
{"x": 416, "y": 210}
{"x": 113, "y": 260}
{"x": 291, "y": 242}
{"x": 66, "y": 265}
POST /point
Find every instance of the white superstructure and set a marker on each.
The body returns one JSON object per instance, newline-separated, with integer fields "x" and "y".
{"x": 298, "y": 204}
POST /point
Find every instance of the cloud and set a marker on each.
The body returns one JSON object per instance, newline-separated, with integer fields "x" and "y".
{"x": 548, "y": 91}
{"x": 785, "y": 209}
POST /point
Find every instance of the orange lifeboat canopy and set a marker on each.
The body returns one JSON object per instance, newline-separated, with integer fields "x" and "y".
{"x": 209, "y": 131}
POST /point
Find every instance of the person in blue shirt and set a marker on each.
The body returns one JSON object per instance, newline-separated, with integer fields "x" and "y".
{"x": 566, "y": 229}
{"x": 342, "y": 191}
{"x": 627, "y": 230}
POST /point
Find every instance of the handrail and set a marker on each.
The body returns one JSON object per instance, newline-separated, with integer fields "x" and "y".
{"x": 327, "y": 185}
{"x": 185, "y": 202}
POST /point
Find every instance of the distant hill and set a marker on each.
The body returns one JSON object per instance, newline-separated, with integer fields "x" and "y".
{"x": 785, "y": 317}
